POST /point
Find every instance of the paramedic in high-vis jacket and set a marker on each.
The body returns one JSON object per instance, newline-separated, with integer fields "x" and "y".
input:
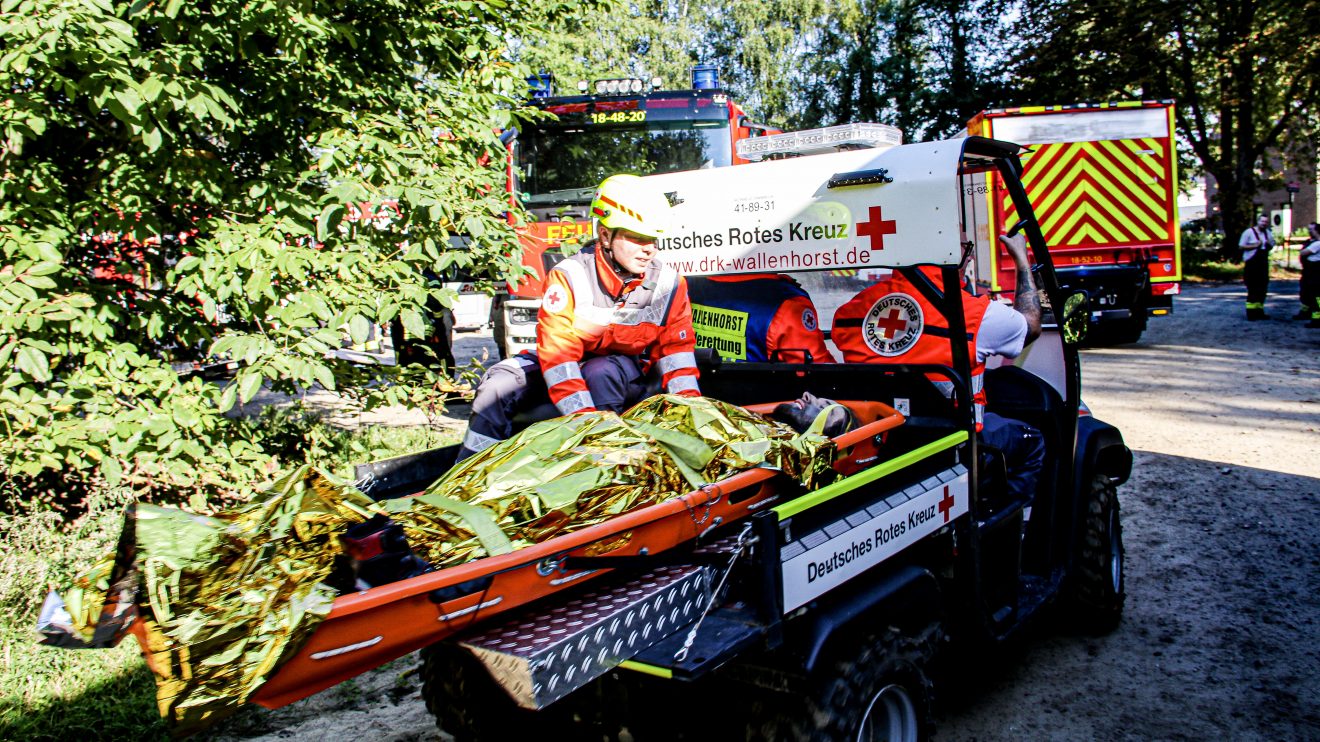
{"x": 610, "y": 315}
{"x": 893, "y": 322}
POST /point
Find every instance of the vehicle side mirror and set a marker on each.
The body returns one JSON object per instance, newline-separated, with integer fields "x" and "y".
{"x": 1075, "y": 319}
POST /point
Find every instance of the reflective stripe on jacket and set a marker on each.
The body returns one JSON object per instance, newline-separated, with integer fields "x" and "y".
{"x": 892, "y": 322}
{"x": 587, "y": 311}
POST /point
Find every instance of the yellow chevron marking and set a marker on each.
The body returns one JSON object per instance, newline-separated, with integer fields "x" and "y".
{"x": 1046, "y": 192}
{"x": 1149, "y": 181}
{"x": 1078, "y": 212}
{"x": 1088, "y": 231}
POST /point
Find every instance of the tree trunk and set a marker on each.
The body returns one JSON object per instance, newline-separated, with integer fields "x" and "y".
{"x": 1237, "y": 211}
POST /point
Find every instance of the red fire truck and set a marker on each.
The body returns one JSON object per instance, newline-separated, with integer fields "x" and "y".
{"x": 612, "y": 126}
{"x": 1104, "y": 181}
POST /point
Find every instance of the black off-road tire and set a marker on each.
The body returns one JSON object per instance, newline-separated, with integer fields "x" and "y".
{"x": 1097, "y": 592}
{"x": 468, "y": 703}
{"x": 876, "y": 689}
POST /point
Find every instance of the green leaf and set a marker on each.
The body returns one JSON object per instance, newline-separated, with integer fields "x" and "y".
{"x": 227, "y": 398}
{"x": 248, "y": 385}
{"x": 33, "y": 363}
{"x": 152, "y": 138}
{"x": 324, "y": 376}
{"x": 359, "y": 328}
{"x": 112, "y": 471}
{"x": 188, "y": 263}
{"x": 413, "y": 323}
{"x": 329, "y": 219}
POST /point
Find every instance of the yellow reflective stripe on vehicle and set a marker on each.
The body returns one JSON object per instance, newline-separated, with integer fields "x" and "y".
{"x": 1088, "y": 193}
{"x": 645, "y": 669}
{"x": 866, "y": 476}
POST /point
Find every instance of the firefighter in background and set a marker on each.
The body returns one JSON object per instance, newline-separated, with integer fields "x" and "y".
{"x": 1310, "y": 286}
{"x": 893, "y": 322}
{"x": 610, "y": 315}
{"x": 749, "y": 317}
{"x": 1256, "y": 243}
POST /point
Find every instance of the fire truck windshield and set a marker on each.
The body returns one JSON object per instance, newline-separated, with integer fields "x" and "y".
{"x": 563, "y": 164}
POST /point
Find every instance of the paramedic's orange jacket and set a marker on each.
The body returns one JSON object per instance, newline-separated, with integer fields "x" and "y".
{"x": 587, "y": 310}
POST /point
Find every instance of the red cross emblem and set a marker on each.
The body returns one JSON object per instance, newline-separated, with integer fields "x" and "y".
{"x": 893, "y": 324}
{"x": 556, "y": 299}
{"x": 876, "y": 228}
{"x": 946, "y": 504}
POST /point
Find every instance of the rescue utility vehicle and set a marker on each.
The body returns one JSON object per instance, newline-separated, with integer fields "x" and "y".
{"x": 614, "y": 126}
{"x": 1104, "y": 181}
{"x": 797, "y": 614}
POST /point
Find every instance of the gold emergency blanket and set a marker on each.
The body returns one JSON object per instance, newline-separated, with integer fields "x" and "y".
{"x": 566, "y": 474}
{"x": 223, "y": 599}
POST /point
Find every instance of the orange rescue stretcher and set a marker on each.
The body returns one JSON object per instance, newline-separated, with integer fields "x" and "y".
{"x": 367, "y": 629}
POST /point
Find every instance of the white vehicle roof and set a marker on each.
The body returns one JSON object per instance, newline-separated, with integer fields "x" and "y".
{"x": 785, "y": 215}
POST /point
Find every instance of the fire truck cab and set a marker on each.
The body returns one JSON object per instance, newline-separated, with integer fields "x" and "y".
{"x": 612, "y": 126}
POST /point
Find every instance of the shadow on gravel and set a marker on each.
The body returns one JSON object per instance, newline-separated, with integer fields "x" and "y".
{"x": 1221, "y": 634}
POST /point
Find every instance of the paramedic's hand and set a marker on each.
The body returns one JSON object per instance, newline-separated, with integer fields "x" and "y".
{"x": 1025, "y": 298}
{"x": 1016, "y": 246}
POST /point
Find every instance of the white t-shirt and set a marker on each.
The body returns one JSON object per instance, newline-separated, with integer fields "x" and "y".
{"x": 1003, "y": 332}
{"x": 1314, "y": 255}
{"x": 1253, "y": 238}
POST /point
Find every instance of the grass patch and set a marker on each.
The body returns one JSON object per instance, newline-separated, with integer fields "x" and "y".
{"x": 1203, "y": 263}
{"x": 61, "y": 694}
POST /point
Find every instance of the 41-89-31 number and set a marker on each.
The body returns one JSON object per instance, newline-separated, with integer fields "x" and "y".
{"x": 754, "y": 206}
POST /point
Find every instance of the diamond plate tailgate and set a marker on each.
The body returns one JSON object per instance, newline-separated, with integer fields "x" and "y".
{"x": 542, "y": 656}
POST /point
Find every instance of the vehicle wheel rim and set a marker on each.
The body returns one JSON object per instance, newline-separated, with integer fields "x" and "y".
{"x": 1115, "y": 553}
{"x": 890, "y": 717}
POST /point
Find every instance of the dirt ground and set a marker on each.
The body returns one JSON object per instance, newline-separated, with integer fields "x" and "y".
{"x": 1221, "y": 637}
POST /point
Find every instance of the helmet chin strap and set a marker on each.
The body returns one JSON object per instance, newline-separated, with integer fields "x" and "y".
{"x": 619, "y": 270}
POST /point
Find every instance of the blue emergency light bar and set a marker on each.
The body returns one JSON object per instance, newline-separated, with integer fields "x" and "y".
{"x": 541, "y": 85}
{"x": 705, "y": 77}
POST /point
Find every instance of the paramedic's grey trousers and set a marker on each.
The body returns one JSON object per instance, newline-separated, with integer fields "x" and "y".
{"x": 515, "y": 385}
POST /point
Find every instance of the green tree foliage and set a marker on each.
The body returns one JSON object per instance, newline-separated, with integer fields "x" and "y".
{"x": 923, "y": 65}
{"x": 1243, "y": 72}
{"x": 643, "y": 39}
{"x": 180, "y": 179}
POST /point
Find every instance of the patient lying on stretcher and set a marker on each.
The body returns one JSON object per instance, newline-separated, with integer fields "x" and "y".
{"x": 570, "y": 473}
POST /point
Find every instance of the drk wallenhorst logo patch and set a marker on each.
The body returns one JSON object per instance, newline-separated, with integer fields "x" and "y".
{"x": 893, "y": 325}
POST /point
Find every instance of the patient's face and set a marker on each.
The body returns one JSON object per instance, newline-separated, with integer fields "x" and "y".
{"x": 801, "y": 412}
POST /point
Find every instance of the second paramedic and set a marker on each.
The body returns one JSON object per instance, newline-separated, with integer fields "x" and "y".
{"x": 610, "y": 315}
{"x": 892, "y": 322}
{"x": 757, "y": 317}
